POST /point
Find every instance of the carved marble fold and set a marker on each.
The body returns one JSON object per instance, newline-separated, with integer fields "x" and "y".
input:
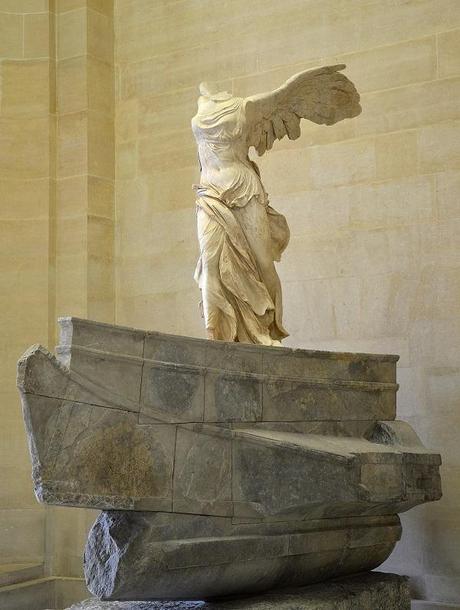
{"x": 240, "y": 234}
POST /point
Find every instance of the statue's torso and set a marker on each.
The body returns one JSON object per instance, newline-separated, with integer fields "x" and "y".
{"x": 226, "y": 171}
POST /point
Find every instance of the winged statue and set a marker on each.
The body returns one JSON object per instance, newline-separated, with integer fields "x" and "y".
{"x": 240, "y": 234}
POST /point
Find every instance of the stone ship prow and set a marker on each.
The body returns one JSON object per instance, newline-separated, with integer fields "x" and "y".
{"x": 220, "y": 467}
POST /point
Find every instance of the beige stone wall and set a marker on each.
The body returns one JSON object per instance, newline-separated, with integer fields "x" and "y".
{"x": 26, "y": 250}
{"x": 85, "y": 172}
{"x": 56, "y": 229}
{"x": 373, "y": 204}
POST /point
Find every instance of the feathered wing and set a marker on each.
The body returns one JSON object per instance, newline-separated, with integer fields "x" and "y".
{"x": 324, "y": 96}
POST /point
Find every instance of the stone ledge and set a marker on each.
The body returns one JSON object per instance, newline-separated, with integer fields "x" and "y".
{"x": 372, "y": 590}
{"x": 14, "y": 573}
{"x": 418, "y": 604}
{"x": 52, "y": 593}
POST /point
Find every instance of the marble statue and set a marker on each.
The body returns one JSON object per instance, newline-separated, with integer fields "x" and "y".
{"x": 240, "y": 234}
{"x": 222, "y": 468}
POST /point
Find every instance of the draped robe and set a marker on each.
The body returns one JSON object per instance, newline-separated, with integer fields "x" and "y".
{"x": 240, "y": 234}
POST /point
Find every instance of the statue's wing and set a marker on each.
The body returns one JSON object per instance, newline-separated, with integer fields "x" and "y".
{"x": 324, "y": 96}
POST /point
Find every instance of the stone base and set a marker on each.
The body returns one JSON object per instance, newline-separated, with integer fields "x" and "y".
{"x": 368, "y": 591}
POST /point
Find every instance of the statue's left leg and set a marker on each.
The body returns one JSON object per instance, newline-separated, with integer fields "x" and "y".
{"x": 253, "y": 220}
{"x": 254, "y": 223}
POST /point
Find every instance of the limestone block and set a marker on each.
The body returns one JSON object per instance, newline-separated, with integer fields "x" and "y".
{"x": 318, "y": 212}
{"x": 127, "y": 119}
{"x": 19, "y": 572}
{"x": 448, "y": 53}
{"x": 30, "y": 547}
{"x": 16, "y": 491}
{"x": 395, "y": 65}
{"x": 37, "y": 42}
{"x": 330, "y": 165}
{"x": 164, "y": 152}
{"x": 439, "y": 147}
{"x": 379, "y": 26}
{"x": 164, "y": 73}
{"x": 157, "y": 114}
{"x": 22, "y": 155}
{"x": 69, "y": 5}
{"x": 100, "y": 85}
{"x": 444, "y": 586}
{"x": 303, "y": 248}
{"x": 11, "y": 35}
{"x": 101, "y": 289}
{"x": 72, "y": 84}
{"x": 378, "y": 205}
{"x": 25, "y": 90}
{"x": 409, "y": 107}
{"x": 37, "y": 593}
{"x": 286, "y": 171}
{"x": 396, "y": 155}
{"x": 72, "y": 33}
{"x": 100, "y": 237}
{"x": 72, "y": 145}
{"x": 447, "y": 188}
{"x": 100, "y": 197}
{"x": 100, "y": 36}
{"x": 126, "y": 157}
{"x": 172, "y": 274}
{"x": 135, "y": 308}
{"x": 373, "y": 252}
{"x": 101, "y": 148}
{"x": 16, "y": 194}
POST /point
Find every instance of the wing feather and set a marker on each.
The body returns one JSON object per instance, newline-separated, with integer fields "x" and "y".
{"x": 323, "y": 96}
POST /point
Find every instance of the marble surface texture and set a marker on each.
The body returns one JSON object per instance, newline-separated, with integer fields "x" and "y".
{"x": 240, "y": 234}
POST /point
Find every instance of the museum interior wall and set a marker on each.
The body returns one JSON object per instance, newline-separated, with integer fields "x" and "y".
{"x": 57, "y": 226}
{"x": 26, "y": 245}
{"x": 373, "y": 263}
{"x": 97, "y": 213}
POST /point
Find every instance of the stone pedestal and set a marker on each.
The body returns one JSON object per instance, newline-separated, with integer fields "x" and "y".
{"x": 221, "y": 468}
{"x": 367, "y": 591}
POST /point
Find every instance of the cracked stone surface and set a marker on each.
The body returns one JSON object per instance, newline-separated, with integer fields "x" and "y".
{"x": 371, "y": 591}
{"x": 220, "y": 468}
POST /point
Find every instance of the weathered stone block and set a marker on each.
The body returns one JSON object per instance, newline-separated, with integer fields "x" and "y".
{"x": 241, "y": 559}
{"x": 373, "y": 590}
{"x": 233, "y": 357}
{"x": 297, "y": 400}
{"x": 233, "y": 397}
{"x": 170, "y": 393}
{"x": 179, "y": 350}
{"x": 221, "y": 468}
{"x": 100, "y": 336}
{"x": 202, "y": 473}
{"x": 329, "y": 365}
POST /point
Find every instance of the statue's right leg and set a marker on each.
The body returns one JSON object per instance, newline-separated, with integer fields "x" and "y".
{"x": 217, "y": 312}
